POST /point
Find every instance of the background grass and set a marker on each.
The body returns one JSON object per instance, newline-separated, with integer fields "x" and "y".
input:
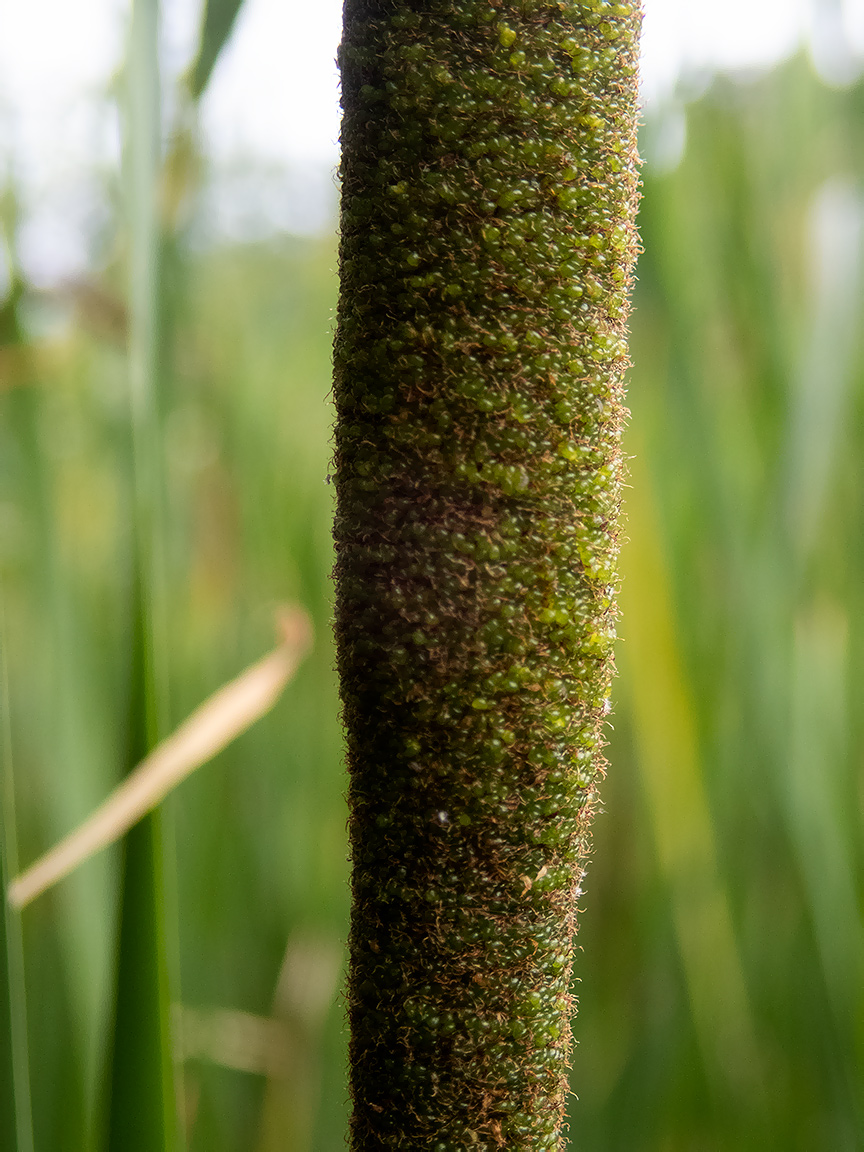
{"x": 721, "y": 990}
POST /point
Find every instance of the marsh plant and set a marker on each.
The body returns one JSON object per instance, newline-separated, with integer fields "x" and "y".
{"x": 487, "y": 242}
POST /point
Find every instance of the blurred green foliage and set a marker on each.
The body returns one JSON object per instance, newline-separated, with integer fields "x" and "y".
{"x": 722, "y": 993}
{"x": 260, "y": 838}
{"x": 721, "y": 972}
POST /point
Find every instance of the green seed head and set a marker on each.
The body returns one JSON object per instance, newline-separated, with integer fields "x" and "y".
{"x": 489, "y": 183}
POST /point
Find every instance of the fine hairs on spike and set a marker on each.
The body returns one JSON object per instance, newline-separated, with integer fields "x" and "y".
{"x": 489, "y": 181}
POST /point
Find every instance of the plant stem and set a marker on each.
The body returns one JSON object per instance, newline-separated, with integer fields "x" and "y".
{"x": 17, "y": 989}
{"x": 489, "y": 190}
{"x": 141, "y": 1111}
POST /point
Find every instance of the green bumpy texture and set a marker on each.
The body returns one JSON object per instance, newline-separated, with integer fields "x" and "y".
{"x": 489, "y": 189}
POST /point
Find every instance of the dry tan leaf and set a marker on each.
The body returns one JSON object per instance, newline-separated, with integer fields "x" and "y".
{"x": 209, "y": 729}
{"x": 241, "y": 1041}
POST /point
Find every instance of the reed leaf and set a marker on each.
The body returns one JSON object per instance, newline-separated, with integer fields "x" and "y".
{"x": 216, "y": 28}
{"x": 141, "y": 1108}
{"x": 16, "y": 1109}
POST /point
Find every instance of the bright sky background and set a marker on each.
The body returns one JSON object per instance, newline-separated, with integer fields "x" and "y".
{"x": 272, "y": 102}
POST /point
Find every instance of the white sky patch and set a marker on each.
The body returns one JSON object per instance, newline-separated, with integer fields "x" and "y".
{"x": 56, "y": 60}
{"x": 704, "y": 35}
{"x": 273, "y": 99}
{"x": 274, "y": 93}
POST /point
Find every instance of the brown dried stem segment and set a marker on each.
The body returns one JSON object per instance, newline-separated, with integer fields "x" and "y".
{"x": 489, "y": 191}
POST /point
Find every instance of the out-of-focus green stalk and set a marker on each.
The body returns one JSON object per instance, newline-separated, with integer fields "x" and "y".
{"x": 16, "y": 1112}
{"x": 217, "y": 25}
{"x": 18, "y": 1045}
{"x": 141, "y": 1110}
{"x": 666, "y": 740}
{"x": 142, "y": 152}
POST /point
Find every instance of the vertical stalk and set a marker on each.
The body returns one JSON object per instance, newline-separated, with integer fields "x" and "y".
{"x": 142, "y": 166}
{"x": 489, "y": 191}
{"x": 16, "y": 1112}
{"x": 141, "y": 1110}
{"x": 14, "y": 960}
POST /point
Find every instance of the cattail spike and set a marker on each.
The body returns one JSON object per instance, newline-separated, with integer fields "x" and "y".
{"x": 489, "y": 189}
